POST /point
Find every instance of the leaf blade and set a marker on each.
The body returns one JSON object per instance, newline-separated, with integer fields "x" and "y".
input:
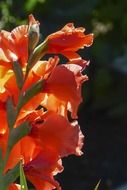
{"x": 23, "y": 182}
{"x": 98, "y": 184}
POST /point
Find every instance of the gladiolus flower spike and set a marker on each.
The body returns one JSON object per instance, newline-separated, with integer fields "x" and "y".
{"x": 35, "y": 98}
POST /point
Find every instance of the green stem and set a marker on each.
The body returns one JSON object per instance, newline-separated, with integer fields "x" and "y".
{"x": 3, "y": 162}
{"x": 33, "y": 58}
{"x": 2, "y": 185}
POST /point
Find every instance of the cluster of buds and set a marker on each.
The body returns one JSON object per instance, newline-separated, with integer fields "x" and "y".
{"x": 36, "y": 97}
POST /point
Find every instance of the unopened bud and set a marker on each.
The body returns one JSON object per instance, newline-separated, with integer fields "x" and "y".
{"x": 33, "y": 33}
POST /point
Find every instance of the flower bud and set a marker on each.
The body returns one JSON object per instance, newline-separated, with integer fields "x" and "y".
{"x": 33, "y": 33}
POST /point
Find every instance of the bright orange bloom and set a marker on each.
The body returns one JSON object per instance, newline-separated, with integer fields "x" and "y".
{"x": 58, "y": 134}
{"x": 48, "y": 142}
{"x": 40, "y": 171}
{"x": 41, "y": 70}
{"x": 52, "y": 135}
{"x": 40, "y": 165}
{"x": 12, "y": 88}
{"x": 3, "y": 128}
{"x": 21, "y": 151}
{"x": 14, "y": 46}
{"x": 65, "y": 84}
{"x": 65, "y": 78}
{"x": 68, "y": 40}
{"x": 5, "y": 75}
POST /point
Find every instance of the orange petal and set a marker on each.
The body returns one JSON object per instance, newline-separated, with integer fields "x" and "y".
{"x": 20, "y": 40}
{"x": 65, "y": 84}
{"x": 7, "y": 47}
{"x": 58, "y": 134}
{"x": 71, "y": 55}
{"x": 14, "y": 45}
{"x": 51, "y": 103}
{"x": 81, "y": 62}
{"x": 21, "y": 151}
{"x": 41, "y": 70}
{"x": 3, "y": 128}
{"x": 44, "y": 68}
{"x": 62, "y": 84}
{"x": 12, "y": 88}
{"x": 40, "y": 170}
{"x": 14, "y": 187}
{"x": 69, "y": 39}
{"x": 5, "y": 75}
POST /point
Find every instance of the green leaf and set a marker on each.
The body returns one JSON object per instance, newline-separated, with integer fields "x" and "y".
{"x": 17, "y": 133}
{"x": 30, "y": 5}
{"x": 12, "y": 175}
{"x": 97, "y": 186}
{"x": 30, "y": 93}
{"x": 2, "y": 183}
{"x": 18, "y": 73}
{"x": 23, "y": 182}
{"x": 11, "y": 113}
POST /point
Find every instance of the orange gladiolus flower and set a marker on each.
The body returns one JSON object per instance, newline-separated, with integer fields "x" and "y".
{"x": 65, "y": 84}
{"x": 3, "y": 128}
{"x": 21, "y": 151}
{"x": 41, "y": 70}
{"x": 68, "y": 40}
{"x": 52, "y": 135}
{"x": 14, "y": 46}
{"x": 40, "y": 165}
{"x": 58, "y": 134}
{"x": 5, "y": 75}
{"x": 40, "y": 171}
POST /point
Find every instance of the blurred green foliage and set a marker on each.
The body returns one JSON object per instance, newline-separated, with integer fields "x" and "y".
{"x": 107, "y": 19}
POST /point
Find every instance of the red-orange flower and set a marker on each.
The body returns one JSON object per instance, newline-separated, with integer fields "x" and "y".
{"x": 58, "y": 134}
{"x": 21, "y": 151}
{"x": 5, "y": 75}
{"x": 14, "y": 46}
{"x": 52, "y": 135}
{"x": 3, "y": 128}
{"x": 65, "y": 84}
{"x": 68, "y": 40}
{"x": 40, "y": 164}
{"x": 41, "y": 70}
{"x": 42, "y": 168}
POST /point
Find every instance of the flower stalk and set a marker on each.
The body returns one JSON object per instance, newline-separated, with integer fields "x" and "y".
{"x": 35, "y": 97}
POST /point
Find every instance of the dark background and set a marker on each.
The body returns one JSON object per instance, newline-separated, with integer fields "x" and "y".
{"x": 103, "y": 114}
